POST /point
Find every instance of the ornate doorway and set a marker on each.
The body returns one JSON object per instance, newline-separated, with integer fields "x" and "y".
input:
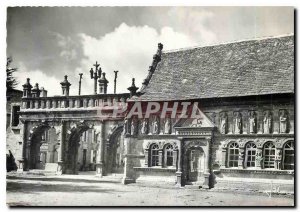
{"x": 195, "y": 164}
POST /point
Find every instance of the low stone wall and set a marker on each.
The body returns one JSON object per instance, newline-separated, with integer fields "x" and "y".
{"x": 155, "y": 175}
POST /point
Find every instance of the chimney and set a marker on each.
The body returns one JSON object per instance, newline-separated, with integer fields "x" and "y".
{"x": 36, "y": 91}
{"x": 132, "y": 88}
{"x": 27, "y": 89}
{"x": 43, "y": 92}
{"x": 65, "y": 85}
{"x": 103, "y": 84}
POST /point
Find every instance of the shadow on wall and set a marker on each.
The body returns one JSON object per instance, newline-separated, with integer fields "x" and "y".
{"x": 10, "y": 162}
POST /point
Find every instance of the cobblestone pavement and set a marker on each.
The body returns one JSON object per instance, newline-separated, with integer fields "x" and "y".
{"x": 108, "y": 191}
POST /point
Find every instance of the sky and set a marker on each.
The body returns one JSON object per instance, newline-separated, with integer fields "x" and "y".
{"x": 47, "y": 43}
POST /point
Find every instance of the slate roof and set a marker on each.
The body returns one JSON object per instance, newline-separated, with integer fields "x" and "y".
{"x": 254, "y": 67}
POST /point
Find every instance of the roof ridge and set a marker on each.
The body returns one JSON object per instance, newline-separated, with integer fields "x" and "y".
{"x": 226, "y": 43}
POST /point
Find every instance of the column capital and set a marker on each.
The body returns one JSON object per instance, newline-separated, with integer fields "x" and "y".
{"x": 180, "y": 138}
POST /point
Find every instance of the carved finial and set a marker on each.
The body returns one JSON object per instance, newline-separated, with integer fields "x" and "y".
{"x": 133, "y": 88}
{"x": 160, "y": 46}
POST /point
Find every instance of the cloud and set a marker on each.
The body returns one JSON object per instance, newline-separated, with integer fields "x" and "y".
{"x": 68, "y": 47}
{"x": 128, "y": 49}
{"x": 51, "y": 84}
{"x": 194, "y": 23}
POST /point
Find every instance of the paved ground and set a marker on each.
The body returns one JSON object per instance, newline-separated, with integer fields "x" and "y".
{"x": 108, "y": 191}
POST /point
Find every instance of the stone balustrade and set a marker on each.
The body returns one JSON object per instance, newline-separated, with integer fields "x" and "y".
{"x": 76, "y": 102}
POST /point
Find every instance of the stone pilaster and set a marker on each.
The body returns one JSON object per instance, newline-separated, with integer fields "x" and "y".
{"x": 160, "y": 157}
{"x": 175, "y": 155}
{"x": 146, "y": 157}
{"x": 258, "y": 158}
{"x": 62, "y": 140}
{"x": 224, "y": 159}
{"x": 241, "y": 157}
{"x": 179, "y": 180}
{"x": 206, "y": 183}
{"x": 128, "y": 167}
{"x": 22, "y": 158}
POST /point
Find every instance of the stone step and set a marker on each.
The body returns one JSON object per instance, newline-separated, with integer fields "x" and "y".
{"x": 276, "y": 186}
{"x": 40, "y": 172}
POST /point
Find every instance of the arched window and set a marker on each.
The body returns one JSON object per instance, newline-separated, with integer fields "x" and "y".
{"x": 168, "y": 155}
{"x": 288, "y": 156}
{"x": 269, "y": 155}
{"x": 233, "y": 155}
{"x": 154, "y": 155}
{"x": 250, "y": 154}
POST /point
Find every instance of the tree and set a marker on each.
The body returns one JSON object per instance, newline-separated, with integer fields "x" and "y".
{"x": 11, "y": 82}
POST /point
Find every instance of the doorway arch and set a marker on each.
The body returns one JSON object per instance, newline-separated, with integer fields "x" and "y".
{"x": 115, "y": 151}
{"x": 42, "y": 148}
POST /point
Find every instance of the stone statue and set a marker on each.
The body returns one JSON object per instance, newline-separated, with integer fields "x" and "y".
{"x": 258, "y": 157}
{"x": 238, "y": 123}
{"x": 223, "y": 123}
{"x": 133, "y": 127}
{"x": 278, "y": 158}
{"x": 283, "y": 121}
{"x": 144, "y": 128}
{"x": 155, "y": 129}
{"x": 267, "y": 122}
{"x": 125, "y": 129}
{"x": 167, "y": 129}
{"x": 252, "y": 122}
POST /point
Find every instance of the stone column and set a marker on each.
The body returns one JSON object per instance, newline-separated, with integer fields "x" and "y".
{"x": 48, "y": 104}
{"x": 31, "y": 104}
{"x": 42, "y": 104}
{"x": 128, "y": 167}
{"x": 62, "y": 138}
{"x": 22, "y": 159}
{"x": 179, "y": 180}
{"x": 100, "y": 151}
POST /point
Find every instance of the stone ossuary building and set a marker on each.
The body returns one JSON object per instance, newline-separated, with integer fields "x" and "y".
{"x": 244, "y": 91}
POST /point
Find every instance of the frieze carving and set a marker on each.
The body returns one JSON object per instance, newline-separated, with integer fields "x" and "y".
{"x": 161, "y": 144}
{"x": 189, "y": 144}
